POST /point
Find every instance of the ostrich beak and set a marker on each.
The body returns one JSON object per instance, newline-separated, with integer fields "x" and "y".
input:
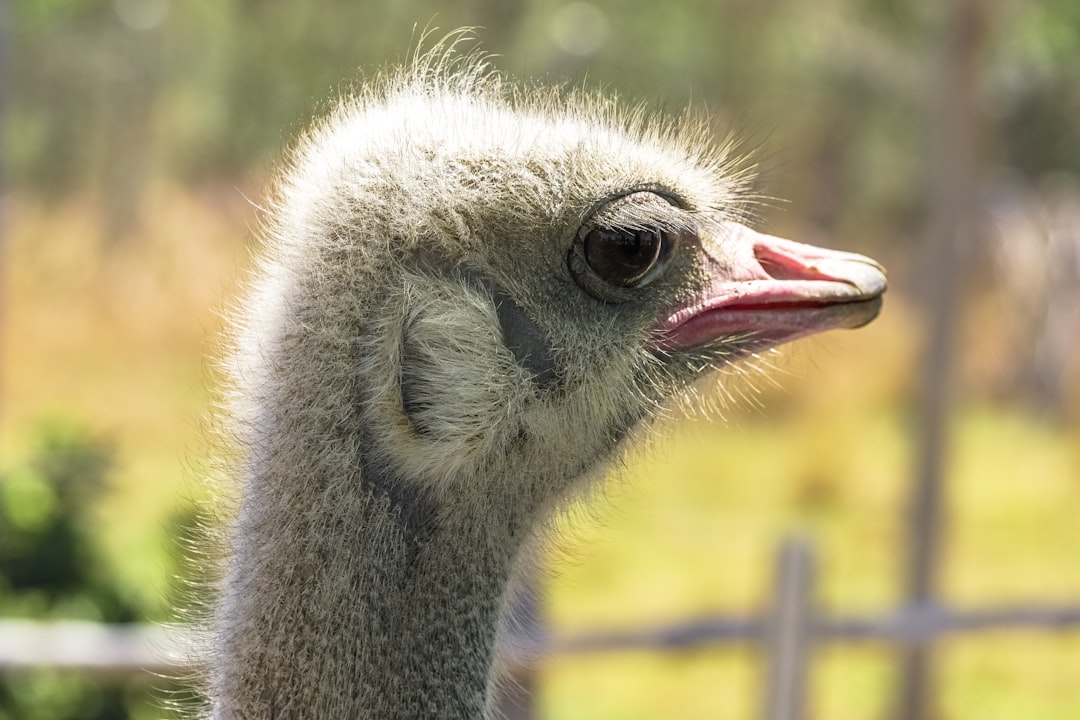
{"x": 763, "y": 291}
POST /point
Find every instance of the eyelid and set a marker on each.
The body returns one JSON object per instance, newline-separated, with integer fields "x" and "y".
{"x": 640, "y": 210}
{"x": 657, "y": 189}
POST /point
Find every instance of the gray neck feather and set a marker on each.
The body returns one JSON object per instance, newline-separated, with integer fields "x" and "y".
{"x": 372, "y": 619}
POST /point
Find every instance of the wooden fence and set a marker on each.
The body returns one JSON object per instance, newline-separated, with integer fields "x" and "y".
{"x": 788, "y": 632}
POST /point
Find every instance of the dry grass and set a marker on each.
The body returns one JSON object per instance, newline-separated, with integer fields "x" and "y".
{"x": 112, "y": 335}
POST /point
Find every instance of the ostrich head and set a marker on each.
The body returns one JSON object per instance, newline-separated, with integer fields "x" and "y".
{"x": 470, "y": 297}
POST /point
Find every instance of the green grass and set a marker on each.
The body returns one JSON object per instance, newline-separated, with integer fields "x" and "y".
{"x": 115, "y": 341}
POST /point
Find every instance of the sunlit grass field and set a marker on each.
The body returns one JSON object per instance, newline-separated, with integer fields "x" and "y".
{"x": 113, "y": 334}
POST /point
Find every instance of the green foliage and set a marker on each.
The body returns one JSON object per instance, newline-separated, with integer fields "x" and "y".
{"x": 48, "y": 559}
{"x": 51, "y": 568}
{"x": 1036, "y": 88}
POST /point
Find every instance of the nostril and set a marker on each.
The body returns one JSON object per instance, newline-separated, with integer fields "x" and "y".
{"x": 784, "y": 267}
{"x": 775, "y": 270}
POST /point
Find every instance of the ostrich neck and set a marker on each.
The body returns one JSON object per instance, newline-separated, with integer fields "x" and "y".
{"x": 337, "y": 606}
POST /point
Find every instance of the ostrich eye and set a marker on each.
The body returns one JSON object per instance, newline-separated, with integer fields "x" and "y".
{"x": 623, "y": 257}
{"x": 625, "y": 244}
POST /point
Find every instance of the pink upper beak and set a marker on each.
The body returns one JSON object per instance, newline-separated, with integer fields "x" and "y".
{"x": 765, "y": 291}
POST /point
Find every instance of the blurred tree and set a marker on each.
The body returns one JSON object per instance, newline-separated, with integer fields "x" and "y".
{"x": 116, "y": 92}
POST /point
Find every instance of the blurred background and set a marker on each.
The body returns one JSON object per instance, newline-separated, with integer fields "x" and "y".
{"x": 942, "y": 138}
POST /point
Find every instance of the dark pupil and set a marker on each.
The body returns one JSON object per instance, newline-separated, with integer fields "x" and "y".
{"x": 622, "y": 257}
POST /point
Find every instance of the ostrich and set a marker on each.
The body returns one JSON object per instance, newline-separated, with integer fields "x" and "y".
{"x": 469, "y": 300}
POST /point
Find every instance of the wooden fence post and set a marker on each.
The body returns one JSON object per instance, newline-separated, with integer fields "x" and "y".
{"x": 789, "y": 633}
